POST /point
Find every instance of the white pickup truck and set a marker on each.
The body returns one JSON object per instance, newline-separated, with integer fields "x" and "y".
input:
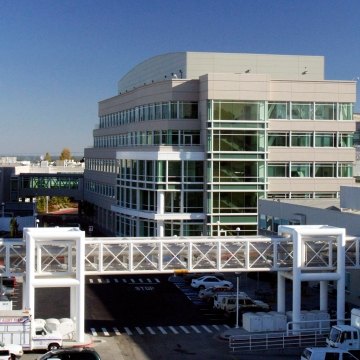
{"x": 324, "y": 353}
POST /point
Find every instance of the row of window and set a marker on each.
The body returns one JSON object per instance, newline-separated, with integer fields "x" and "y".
{"x": 310, "y": 139}
{"x": 226, "y": 140}
{"x": 51, "y": 182}
{"x": 102, "y": 165}
{"x": 102, "y": 189}
{"x": 127, "y": 226}
{"x": 162, "y": 171}
{"x": 303, "y": 195}
{"x": 260, "y": 111}
{"x": 165, "y": 110}
{"x": 335, "y": 169}
{"x": 155, "y": 137}
{"x": 175, "y": 201}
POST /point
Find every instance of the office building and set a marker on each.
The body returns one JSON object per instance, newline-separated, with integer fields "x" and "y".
{"x": 192, "y": 140}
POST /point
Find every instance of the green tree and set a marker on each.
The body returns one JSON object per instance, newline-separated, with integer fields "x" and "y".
{"x": 65, "y": 154}
{"x": 47, "y": 157}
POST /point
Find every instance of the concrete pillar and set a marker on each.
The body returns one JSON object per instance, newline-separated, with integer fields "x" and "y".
{"x": 324, "y": 295}
{"x": 297, "y": 263}
{"x": 281, "y": 304}
{"x": 340, "y": 270}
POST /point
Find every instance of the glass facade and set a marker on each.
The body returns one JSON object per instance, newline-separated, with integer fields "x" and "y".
{"x": 310, "y": 111}
{"x": 235, "y": 166}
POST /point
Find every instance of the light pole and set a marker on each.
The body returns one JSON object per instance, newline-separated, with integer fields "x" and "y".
{"x": 237, "y": 301}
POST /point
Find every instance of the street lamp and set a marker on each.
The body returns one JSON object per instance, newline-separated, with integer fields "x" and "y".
{"x": 237, "y": 301}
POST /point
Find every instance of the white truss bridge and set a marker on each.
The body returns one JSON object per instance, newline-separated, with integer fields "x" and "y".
{"x": 110, "y": 255}
{"x": 62, "y": 257}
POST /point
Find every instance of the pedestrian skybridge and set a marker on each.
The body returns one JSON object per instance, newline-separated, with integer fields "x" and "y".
{"x": 110, "y": 255}
{"x": 61, "y": 257}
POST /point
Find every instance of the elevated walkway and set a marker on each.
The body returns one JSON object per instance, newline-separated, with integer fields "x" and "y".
{"x": 61, "y": 257}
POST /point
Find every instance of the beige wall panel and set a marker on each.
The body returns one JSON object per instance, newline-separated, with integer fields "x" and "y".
{"x": 307, "y": 185}
{"x": 310, "y": 154}
{"x": 311, "y": 125}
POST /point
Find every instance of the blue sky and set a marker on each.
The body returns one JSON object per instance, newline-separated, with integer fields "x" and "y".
{"x": 59, "y": 58}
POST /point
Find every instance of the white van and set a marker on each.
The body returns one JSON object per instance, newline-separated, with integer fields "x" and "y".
{"x": 326, "y": 353}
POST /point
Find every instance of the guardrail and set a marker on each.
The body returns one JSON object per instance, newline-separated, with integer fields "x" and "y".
{"x": 273, "y": 341}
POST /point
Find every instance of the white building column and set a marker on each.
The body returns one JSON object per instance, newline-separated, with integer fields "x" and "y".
{"x": 297, "y": 264}
{"x": 161, "y": 211}
{"x": 340, "y": 270}
{"x": 281, "y": 305}
{"x": 324, "y": 295}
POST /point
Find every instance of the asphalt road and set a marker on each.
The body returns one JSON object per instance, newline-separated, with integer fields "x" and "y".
{"x": 146, "y": 317}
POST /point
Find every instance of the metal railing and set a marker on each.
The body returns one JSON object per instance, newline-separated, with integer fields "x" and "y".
{"x": 273, "y": 341}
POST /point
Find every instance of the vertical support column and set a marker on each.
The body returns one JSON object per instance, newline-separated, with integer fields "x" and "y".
{"x": 80, "y": 288}
{"x": 297, "y": 263}
{"x": 281, "y": 292}
{"x": 161, "y": 211}
{"x": 340, "y": 270}
{"x": 324, "y": 295}
{"x": 30, "y": 274}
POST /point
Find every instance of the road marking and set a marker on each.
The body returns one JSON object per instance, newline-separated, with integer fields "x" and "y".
{"x": 157, "y": 280}
{"x": 128, "y": 331}
{"x": 141, "y": 280}
{"x": 108, "y": 281}
{"x": 124, "y": 281}
{"x": 184, "y": 329}
{"x": 227, "y": 326}
{"x": 116, "y": 331}
{"x": 139, "y": 330}
{"x": 93, "y": 332}
{"x": 116, "y": 280}
{"x": 150, "y": 330}
{"x": 195, "y": 329}
{"x": 173, "y": 330}
{"x": 132, "y": 280}
{"x": 91, "y": 281}
{"x": 105, "y": 332}
{"x": 216, "y": 327}
{"x": 206, "y": 329}
{"x": 99, "y": 280}
{"x": 149, "y": 280}
{"x": 162, "y": 330}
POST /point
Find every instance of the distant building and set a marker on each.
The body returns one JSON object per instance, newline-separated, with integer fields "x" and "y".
{"x": 193, "y": 140}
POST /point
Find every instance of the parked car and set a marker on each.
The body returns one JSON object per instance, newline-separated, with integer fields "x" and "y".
{"x": 209, "y": 293}
{"x": 5, "y": 355}
{"x": 7, "y": 291}
{"x": 9, "y": 282}
{"x": 206, "y": 281}
{"x": 71, "y": 354}
{"x": 324, "y": 353}
{"x": 190, "y": 276}
{"x": 16, "y": 351}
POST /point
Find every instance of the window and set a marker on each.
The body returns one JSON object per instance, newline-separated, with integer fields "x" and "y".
{"x": 345, "y": 170}
{"x": 278, "y": 170}
{"x": 302, "y": 139}
{"x": 278, "y": 139}
{"x": 301, "y": 170}
{"x": 346, "y": 140}
{"x": 278, "y": 110}
{"x": 238, "y": 111}
{"x": 325, "y": 139}
{"x": 325, "y": 111}
{"x": 325, "y": 170}
{"x": 301, "y": 111}
{"x": 345, "y": 111}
